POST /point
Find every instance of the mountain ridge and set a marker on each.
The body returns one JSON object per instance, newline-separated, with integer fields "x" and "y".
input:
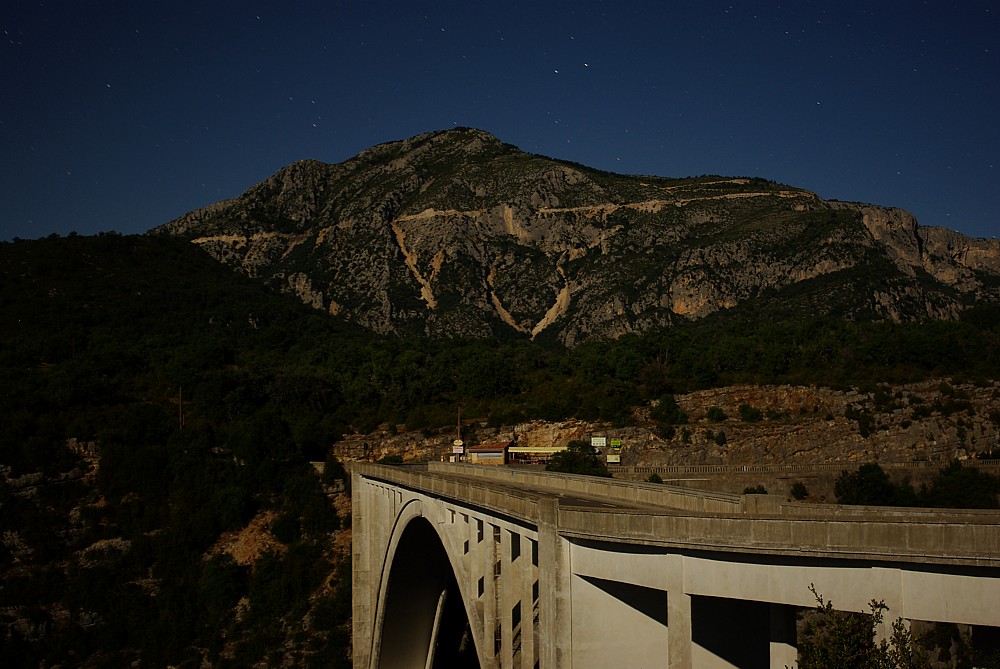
{"x": 455, "y": 233}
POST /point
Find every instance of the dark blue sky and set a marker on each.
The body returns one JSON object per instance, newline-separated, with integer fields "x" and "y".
{"x": 122, "y": 115}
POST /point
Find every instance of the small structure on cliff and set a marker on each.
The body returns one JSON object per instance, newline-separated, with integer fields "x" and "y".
{"x": 489, "y": 454}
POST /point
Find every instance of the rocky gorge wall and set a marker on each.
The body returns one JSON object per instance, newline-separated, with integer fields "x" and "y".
{"x": 808, "y": 428}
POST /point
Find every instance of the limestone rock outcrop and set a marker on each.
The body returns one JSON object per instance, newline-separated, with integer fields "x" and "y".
{"x": 456, "y": 234}
{"x": 932, "y": 421}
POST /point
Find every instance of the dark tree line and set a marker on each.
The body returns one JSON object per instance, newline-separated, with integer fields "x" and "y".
{"x": 956, "y": 486}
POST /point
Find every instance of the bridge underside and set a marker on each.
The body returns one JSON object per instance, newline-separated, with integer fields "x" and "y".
{"x": 424, "y": 615}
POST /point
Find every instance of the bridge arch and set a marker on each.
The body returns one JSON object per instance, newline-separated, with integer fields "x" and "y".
{"x": 422, "y": 616}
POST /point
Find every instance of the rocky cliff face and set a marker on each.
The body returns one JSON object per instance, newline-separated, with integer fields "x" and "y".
{"x": 455, "y": 233}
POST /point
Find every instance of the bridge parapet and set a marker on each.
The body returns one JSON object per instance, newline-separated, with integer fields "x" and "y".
{"x": 766, "y": 522}
{"x": 948, "y": 541}
{"x": 651, "y": 494}
{"x": 478, "y": 491}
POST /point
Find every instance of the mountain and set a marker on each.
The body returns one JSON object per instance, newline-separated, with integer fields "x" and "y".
{"x": 455, "y": 233}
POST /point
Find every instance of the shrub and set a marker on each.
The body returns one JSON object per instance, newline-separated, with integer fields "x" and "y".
{"x": 333, "y": 470}
{"x": 832, "y": 638}
{"x": 870, "y": 485}
{"x": 578, "y": 458}
{"x": 667, "y": 411}
{"x": 715, "y": 414}
{"x": 749, "y": 414}
{"x": 665, "y": 431}
{"x": 865, "y": 420}
{"x": 286, "y": 528}
{"x": 959, "y": 487}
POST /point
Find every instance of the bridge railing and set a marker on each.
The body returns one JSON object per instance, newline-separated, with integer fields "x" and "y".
{"x": 992, "y": 466}
{"x": 503, "y": 501}
{"x": 675, "y": 497}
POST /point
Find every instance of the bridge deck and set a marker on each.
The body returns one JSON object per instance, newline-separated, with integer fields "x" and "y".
{"x": 654, "y": 514}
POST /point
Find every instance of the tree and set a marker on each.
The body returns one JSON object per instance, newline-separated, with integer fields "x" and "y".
{"x": 832, "y": 638}
{"x": 667, "y": 411}
{"x": 715, "y": 414}
{"x": 955, "y": 487}
{"x": 333, "y": 470}
{"x": 958, "y": 487}
{"x": 870, "y": 485}
{"x": 578, "y": 458}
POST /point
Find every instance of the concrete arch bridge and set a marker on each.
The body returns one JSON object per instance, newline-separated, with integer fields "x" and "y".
{"x": 470, "y": 566}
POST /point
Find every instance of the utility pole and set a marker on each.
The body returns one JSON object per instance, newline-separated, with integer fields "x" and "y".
{"x": 458, "y": 435}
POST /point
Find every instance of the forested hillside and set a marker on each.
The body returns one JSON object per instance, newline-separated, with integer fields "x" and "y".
{"x": 116, "y": 514}
{"x": 155, "y": 405}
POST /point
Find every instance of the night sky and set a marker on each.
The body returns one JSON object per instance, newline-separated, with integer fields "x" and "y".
{"x": 122, "y": 115}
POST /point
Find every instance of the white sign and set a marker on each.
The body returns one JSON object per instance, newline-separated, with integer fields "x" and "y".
{"x": 598, "y": 442}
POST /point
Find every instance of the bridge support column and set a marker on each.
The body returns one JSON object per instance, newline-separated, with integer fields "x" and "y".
{"x": 678, "y": 616}
{"x": 784, "y": 647}
{"x": 555, "y": 609}
{"x": 509, "y": 595}
{"x": 487, "y": 567}
{"x": 529, "y": 599}
{"x": 363, "y": 611}
{"x": 891, "y": 594}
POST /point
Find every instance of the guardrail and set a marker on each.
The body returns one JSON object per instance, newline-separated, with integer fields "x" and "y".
{"x": 992, "y": 466}
{"x": 628, "y": 491}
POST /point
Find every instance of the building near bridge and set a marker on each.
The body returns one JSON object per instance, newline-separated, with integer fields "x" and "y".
{"x": 489, "y": 454}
